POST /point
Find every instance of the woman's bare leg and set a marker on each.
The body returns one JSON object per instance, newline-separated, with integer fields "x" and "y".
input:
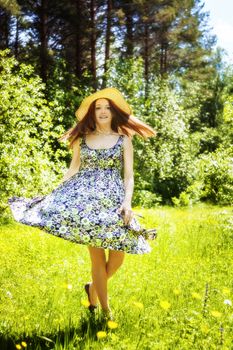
{"x": 98, "y": 260}
{"x": 115, "y": 260}
{"x": 99, "y": 276}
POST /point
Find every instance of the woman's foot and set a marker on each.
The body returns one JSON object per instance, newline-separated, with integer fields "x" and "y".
{"x": 107, "y": 315}
{"x": 87, "y": 288}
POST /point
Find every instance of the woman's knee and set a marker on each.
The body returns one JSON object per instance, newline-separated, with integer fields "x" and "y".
{"x": 97, "y": 255}
{"x": 115, "y": 259}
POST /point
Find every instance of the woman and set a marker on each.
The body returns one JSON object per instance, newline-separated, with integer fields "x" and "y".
{"x": 92, "y": 205}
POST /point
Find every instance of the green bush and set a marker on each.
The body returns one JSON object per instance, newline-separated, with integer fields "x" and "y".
{"x": 26, "y": 133}
{"x": 216, "y": 170}
{"x": 213, "y": 180}
{"x": 146, "y": 199}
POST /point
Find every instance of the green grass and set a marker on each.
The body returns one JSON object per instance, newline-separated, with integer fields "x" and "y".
{"x": 172, "y": 298}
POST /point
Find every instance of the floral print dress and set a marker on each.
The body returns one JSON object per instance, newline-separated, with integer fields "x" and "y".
{"x": 83, "y": 209}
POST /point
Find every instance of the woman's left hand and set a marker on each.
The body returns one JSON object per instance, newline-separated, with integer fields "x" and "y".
{"x": 126, "y": 210}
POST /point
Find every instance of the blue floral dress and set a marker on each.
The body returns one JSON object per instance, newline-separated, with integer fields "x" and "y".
{"x": 83, "y": 209}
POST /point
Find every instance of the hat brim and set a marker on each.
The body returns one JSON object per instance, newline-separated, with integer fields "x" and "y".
{"x": 110, "y": 93}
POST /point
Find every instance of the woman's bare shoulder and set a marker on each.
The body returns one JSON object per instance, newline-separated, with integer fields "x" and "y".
{"x": 127, "y": 138}
{"x": 127, "y": 141}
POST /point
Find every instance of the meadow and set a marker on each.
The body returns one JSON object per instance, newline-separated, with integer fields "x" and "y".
{"x": 177, "y": 297}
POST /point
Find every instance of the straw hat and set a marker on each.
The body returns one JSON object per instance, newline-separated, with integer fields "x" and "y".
{"x": 111, "y": 93}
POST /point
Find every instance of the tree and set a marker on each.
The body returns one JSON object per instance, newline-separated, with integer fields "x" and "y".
{"x": 11, "y": 7}
{"x": 107, "y": 39}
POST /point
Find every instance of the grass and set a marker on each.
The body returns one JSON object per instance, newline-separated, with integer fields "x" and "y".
{"x": 177, "y": 297}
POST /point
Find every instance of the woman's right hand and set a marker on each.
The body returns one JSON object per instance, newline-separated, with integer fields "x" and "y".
{"x": 126, "y": 211}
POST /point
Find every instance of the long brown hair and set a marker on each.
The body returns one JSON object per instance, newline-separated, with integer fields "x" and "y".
{"x": 122, "y": 123}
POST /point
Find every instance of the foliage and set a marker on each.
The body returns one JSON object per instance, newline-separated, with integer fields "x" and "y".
{"x": 63, "y": 103}
{"x": 26, "y": 133}
{"x": 10, "y": 6}
{"x": 170, "y": 37}
{"x": 158, "y": 301}
{"x": 216, "y": 170}
{"x": 163, "y": 164}
{"x": 213, "y": 179}
{"x": 158, "y": 53}
{"x": 178, "y": 165}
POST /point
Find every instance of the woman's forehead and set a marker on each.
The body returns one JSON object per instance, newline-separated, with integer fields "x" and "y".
{"x": 102, "y": 101}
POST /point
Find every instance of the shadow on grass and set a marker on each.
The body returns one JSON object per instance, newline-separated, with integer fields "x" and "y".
{"x": 78, "y": 336}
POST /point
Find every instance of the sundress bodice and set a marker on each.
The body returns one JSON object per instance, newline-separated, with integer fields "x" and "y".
{"x": 102, "y": 159}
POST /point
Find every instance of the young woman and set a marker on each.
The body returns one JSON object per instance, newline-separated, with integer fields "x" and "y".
{"x": 92, "y": 206}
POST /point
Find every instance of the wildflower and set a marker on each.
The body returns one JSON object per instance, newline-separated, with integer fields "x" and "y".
{"x": 204, "y": 328}
{"x": 101, "y": 334}
{"x": 165, "y": 304}
{"x": 226, "y": 291}
{"x": 139, "y": 305}
{"x": 216, "y": 313}
{"x": 196, "y": 295}
{"x": 69, "y": 286}
{"x": 8, "y": 293}
{"x": 85, "y": 303}
{"x": 176, "y": 291}
{"x": 228, "y": 302}
{"x": 24, "y": 344}
{"x": 18, "y": 346}
{"x": 112, "y": 324}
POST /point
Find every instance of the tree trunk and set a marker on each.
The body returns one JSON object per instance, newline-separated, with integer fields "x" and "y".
{"x": 4, "y": 33}
{"x": 93, "y": 44}
{"x": 108, "y": 39}
{"x": 146, "y": 59}
{"x": 129, "y": 32}
{"x": 44, "y": 40}
{"x": 17, "y": 37}
{"x": 78, "y": 69}
{"x": 163, "y": 58}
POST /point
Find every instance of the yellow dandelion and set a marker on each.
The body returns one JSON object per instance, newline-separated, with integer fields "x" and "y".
{"x": 112, "y": 324}
{"x": 177, "y": 291}
{"x": 226, "y": 291}
{"x": 196, "y": 295}
{"x": 204, "y": 328}
{"x": 85, "y": 303}
{"x": 18, "y": 346}
{"x": 216, "y": 314}
{"x": 101, "y": 335}
{"x": 165, "y": 304}
{"x": 24, "y": 344}
{"x": 138, "y": 304}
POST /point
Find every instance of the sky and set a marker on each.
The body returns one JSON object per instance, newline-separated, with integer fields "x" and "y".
{"x": 221, "y": 21}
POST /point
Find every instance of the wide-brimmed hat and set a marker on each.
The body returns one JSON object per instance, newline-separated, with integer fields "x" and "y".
{"x": 110, "y": 93}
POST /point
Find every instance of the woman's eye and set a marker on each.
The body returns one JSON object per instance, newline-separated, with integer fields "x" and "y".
{"x": 106, "y": 107}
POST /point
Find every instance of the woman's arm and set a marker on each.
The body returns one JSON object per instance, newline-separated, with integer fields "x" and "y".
{"x": 75, "y": 162}
{"x": 126, "y": 207}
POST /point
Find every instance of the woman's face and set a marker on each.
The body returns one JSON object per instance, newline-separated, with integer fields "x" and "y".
{"x": 103, "y": 113}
